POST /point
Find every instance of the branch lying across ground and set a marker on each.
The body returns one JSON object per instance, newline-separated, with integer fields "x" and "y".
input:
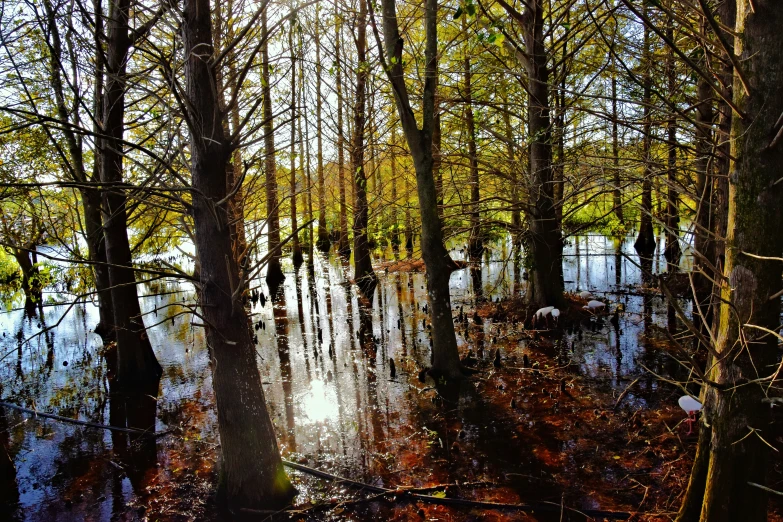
{"x": 403, "y": 494}
{"x": 134, "y": 431}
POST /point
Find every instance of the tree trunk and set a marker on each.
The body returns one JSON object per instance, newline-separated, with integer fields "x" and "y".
{"x": 558, "y": 170}
{"x": 364, "y": 277}
{"x": 251, "y": 474}
{"x": 476, "y": 238}
{"x": 445, "y": 358}
{"x": 645, "y": 242}
{"x": 136, "y": 361}
{"x": 342, "y": 244}
{"x": 31, "y": 285}
{"x": 274, "y": 272}
{"x": 90, "y": 197}
{"x": 516, "y": 218}
{"x": 323, "y": 232}
{"x": 694, "y": 496}
{"x": 395, "y": 233}
{"x": 237, "y": 201}
{"x": 408, "y": 218}
{"x": 96, "y": 248}
{"x": 304, "y": 161}
{"x": 617, "y": 201}
{"x": 546, "y": 243}
{"x": 296, "y": 255}
{"x": 672, "y": 221}
{"x": 737, "y": 454}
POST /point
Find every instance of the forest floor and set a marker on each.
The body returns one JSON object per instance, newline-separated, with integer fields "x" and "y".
{"x": 534, "y": 429}
{"x": 583, "y": 446}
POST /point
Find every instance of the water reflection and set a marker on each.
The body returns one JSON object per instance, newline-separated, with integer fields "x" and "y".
{"x": 326, "y": 360}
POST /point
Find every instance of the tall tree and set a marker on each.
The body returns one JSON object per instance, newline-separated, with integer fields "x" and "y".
{"x": 251, "y": 474}
{"x": 445, "y": 358}
{"x": 735, "y": 454}
{"x": 364, "y": 276}
{"x": 136, "y": 361}
{"x": 476, "y": 238}
{"x": 342, "y": 244}
{"x": 323, "y": 232}
{"x": 274, "y": 272}
{"x": 296, "y": 247}
{"x": 645, "y": 241}
{"x": 546, "y": 242}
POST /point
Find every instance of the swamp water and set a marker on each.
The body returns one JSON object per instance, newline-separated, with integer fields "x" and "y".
{"x": 336, "y": 407}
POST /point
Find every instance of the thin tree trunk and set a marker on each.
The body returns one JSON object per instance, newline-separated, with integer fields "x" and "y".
{"x": 408, "y": 219}
{"x": 342, "y": 244}
{"x": 274, "y": 272}
{"x": 645, "y": 242}
{"x": 709, "y": 304}
{"x": 364, "y": 276}
{"x": 323, "y": 231}
{"x": 394, "y": 227}
{"x": 445, "y": 358}
{"x": 476, "y": 238}
{"x": 672, "y": 222}
{"x": 251, "y": 474}
{"x": 136, "y": 361}
{"x": 516, "y": 218}
{"x": 237, "y": 200}
{"x": 558, "y": 173}
{"x": 296, "y": 247}
{"x": 304, "y": 161}
{"x": 90, "y": 197}
{"x": 616, "y": 191}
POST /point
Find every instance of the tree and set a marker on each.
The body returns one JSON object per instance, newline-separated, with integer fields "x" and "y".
{"x": 296, "y": 247}
{"x": 364, "y": 276}
{"x": 323, "y": 234}
{"x": 545, "y": 243}
{"x": 734, "y": 455}
{"x": 251, "y": 474}
{"x": 136, "y": 361}
{"x": 274, "y": 272}
{"x": 445, "y": 358}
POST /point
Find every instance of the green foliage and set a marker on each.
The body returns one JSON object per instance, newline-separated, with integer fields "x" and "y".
{"x": 9, "y": 270}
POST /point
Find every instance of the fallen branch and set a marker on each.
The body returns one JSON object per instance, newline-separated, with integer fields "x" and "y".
{"x": 765, "y": 488}
{"x": 625, "y": 392}
{"x": 60, "y": 418}
{"x": 403, "y": 495}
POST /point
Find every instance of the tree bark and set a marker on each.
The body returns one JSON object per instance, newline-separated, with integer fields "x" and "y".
{"x": 342, "y": 244}
{"x": 394, "y": 227}
{"x": 323, "y": 231}
{"x": 445, "y": 358}
{"x": 136, "y": 361}
{"x": 617, "y": 201}
{"x": 251, "y": 474}
{"x": 296, "y": 255}
{"x": 475, "y": 239}
{"x": 737, "y": 454}
{"x": 672, "y": 220}
{"x": 364, "y": 276}
{"x": 546, "y": 242}
{"x": 274, "y": 272}
{"x": 645, "y": 242}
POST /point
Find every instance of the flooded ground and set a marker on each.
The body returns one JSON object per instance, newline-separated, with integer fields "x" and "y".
{"x": 543, "y": 428}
